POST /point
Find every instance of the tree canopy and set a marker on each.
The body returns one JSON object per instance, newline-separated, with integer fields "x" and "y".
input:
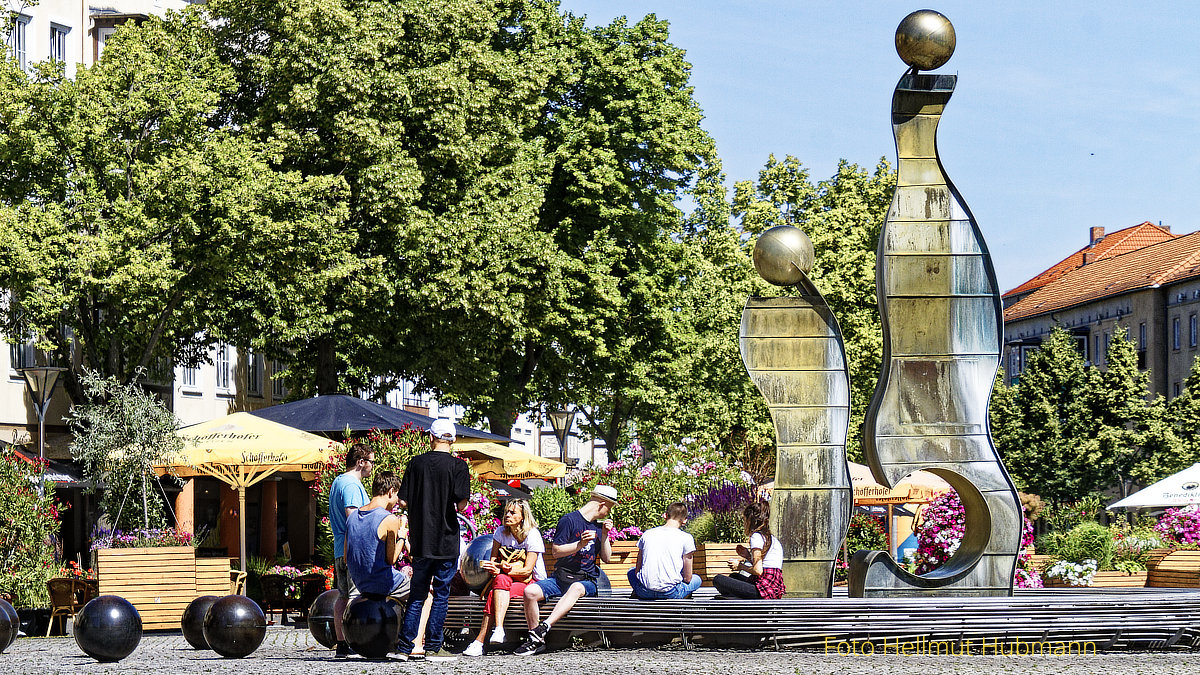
{"x": 135, "y": 228}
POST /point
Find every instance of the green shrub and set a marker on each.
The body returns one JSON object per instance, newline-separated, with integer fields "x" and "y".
{"x": 702, "y": 528}
{"x": 1088, "y": 541}
{"x": 549, "y": 504}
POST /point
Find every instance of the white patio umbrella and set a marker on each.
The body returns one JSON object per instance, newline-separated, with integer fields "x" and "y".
{"x": 1178, "y": 489}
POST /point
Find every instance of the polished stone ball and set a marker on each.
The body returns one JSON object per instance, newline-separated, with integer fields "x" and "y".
{"x": 925, "y": 39}
{"x": 783, "y": 255}
{"x": 235, "y": 626}
{"x": 192, "y": 622}
{"x": 372, "y": 625}
{"x": 10, "y": 625}
{"x": 478, "y": 552}
{"x": 108, "y": 628}
{"x": 320, "y": 618}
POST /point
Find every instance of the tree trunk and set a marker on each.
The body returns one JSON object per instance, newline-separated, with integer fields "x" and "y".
{"x": 327, "y": 366}
{"x": 500, "y": 420}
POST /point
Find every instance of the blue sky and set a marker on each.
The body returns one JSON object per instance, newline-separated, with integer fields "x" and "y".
{"x": 1066, "y": 115}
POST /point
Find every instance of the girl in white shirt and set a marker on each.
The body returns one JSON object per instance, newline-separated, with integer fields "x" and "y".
{"x": 762, "y": 560}
{"x": 517, "y": 550}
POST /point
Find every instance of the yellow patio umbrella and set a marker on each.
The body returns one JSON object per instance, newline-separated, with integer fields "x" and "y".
{"x": 242, "y": 450}
{"x": 920, "y": 486}
{"x": 498, "y": 462}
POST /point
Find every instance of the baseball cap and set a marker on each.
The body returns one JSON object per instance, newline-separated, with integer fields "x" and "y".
{"x": 606, "y": 492}
{"x": 443, "y": 429}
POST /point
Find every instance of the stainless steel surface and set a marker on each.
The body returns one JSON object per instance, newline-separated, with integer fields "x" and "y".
{"x": 792, "y": 348}
{"x": 940, "y": 307}
{"x": 783, "y": 255}
{"x": 925, "y": 39}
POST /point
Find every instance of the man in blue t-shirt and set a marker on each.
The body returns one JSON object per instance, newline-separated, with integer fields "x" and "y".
{"x": 346, "y": 494}
{"x": 579, "y": 538}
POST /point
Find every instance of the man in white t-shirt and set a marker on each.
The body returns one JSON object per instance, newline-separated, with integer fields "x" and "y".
{"x": 664, "y": 564}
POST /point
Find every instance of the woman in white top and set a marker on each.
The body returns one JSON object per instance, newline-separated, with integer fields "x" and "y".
{"x": 762, "y": 561}
{"x": 517, "y": 550}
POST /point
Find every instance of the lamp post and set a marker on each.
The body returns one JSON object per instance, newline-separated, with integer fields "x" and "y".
{"x": 561, "y": 421}
{"x": 41, "y": 381}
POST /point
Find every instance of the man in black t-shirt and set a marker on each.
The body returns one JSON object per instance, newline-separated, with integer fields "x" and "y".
{"x": 435, "y": 487}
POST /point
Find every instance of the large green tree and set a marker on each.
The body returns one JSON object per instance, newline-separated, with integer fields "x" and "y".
{"x": 1067, "y": 429}
{"x": 135, "y": 227}
{"x": 843, "y": 216}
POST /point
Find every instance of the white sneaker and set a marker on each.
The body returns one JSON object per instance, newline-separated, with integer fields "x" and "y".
{"x": 497, "y": 636}
{"x": 474, "y": 649}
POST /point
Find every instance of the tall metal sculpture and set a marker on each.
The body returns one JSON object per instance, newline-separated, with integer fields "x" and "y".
{"x": 793, "y": 349}
{"x": 940, "y": 306}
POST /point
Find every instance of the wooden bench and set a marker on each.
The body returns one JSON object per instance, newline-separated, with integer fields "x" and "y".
{"x": 1177, "y": 569}
{"x": 1124, "y": 618}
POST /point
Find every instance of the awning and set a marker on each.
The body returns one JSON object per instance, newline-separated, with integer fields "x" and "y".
{"x": 333, "y": 414}
{"x": 506, "y": 492}
{"x": 64, "y": 474}
{"x": 920, "y": 486}
{"x": 242, "y": 450}
{"x": 1178, "y": 489}
{"x": 493, "y": 461}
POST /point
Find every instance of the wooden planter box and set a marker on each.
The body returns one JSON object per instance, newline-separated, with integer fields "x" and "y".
{"x": 1107, "y": 579}
{"x": 624, "y": 556}
{"x": 1174, "y": 569}
{"x": 712, "y": 559}
{"x": 160, "y": 582}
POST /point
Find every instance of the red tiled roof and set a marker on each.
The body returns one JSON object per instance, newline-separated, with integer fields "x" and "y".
{"x": 1166, "y": 262}
{"x": 1113, "y": 244}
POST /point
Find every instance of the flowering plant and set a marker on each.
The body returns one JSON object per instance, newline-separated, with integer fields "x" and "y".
{"x": 620, "y": 534}
{"x": 1181, "y": 525}
{"x": 141, "y": 538}
{"x": 27, "y": 529}
{"x": 940, "y": 532}
{"x": 645, "y": 491}
{"x": 1075, "y": 574}
{"x": 865, "y": 533}
{"x": 726, "y": 502}
{"x": 72, "y": 570}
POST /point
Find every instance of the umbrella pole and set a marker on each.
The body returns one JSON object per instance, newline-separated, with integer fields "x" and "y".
{"x": 242, "y": 523}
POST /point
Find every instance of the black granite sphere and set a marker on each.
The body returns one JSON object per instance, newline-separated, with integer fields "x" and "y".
{"x": 10, "y": 625}
{"x": 234, "y": 626}
{"x": 192, "y": 622}
{"x": 372, "y": 625}
{"x": 320, "y": 618}
{"x": 108, "y": 628}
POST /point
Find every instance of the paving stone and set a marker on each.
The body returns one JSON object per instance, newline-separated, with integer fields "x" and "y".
{"x": 288, "y": 650}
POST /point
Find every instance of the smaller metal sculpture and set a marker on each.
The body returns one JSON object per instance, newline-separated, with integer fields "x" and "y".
{"x": 320, "y": 618}
{"x": 792, "y": 348}
{"x": 372, "y": 625}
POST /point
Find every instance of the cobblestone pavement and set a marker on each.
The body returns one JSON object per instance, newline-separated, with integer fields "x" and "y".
{"x": 287, "y": 650}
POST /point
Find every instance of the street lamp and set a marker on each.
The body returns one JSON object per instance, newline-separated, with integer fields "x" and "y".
{"x": 40, "y": 381}
{"x": 561, "y": 421}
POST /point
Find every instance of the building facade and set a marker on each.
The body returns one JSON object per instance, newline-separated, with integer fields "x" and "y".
{"x": 1142, "y": 281}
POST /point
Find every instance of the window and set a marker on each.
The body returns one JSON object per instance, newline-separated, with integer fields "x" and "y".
{"x": 1175, "y": 389}
{"x": 254, "y": 373}
{"x": 18, "y": 42}
{"x": 278, "y": 388}
{"x": 1175, "y": 333}
{"x": 222, "y": 364}
{"x": 23, "y": 354}
{"x": 102, "y": 35}
{"x": 1098, "y": 353}
{"x": 1142, "y": 336}
{"x": 1107, "y": 342}
{"x": 58, "y": 43}
{"x": 1192, "y": 330}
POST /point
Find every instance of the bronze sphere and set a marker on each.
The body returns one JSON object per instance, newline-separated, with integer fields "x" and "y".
{"x": 925, "y": 39}
{"x": 783, "y": 255}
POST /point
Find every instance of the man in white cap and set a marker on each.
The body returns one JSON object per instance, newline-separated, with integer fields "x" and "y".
{"x": 579, "y": 538}
{"x": 435, "y": 487}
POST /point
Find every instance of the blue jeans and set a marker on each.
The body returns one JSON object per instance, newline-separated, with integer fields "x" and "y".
{"x": 680, "y": 590}
{"x": 428, "y": 573}
{"x": 551, "y": 589}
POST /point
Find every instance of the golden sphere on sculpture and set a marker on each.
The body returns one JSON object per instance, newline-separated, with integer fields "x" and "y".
{"x": 783, "y": 255}
{"x": 925, "y": 39}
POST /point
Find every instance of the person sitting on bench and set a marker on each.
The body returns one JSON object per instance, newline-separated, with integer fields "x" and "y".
{"x": 375, "y": 539}
{"x": 665, "y": 560}
{"x": 515, "y": 563}
{"x": 578, "y": 540}
{"x": 759, "y": 572}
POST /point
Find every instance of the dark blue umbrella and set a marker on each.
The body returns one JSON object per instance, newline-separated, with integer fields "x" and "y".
{"x": 332, "y": 414}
